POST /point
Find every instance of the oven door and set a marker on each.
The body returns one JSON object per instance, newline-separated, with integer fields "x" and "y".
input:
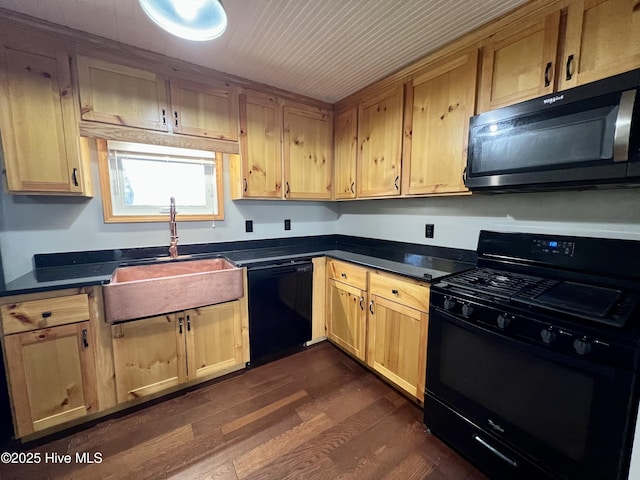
{"x": 565, "y": 414}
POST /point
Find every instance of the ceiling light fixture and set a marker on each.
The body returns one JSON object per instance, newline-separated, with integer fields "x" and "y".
{"x": 198, "y": 20}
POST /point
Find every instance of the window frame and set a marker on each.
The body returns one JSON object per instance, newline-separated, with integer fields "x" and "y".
{"x": 107, "y": 206}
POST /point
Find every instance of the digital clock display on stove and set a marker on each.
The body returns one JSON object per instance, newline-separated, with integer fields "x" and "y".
{"x": 553, "y": 247}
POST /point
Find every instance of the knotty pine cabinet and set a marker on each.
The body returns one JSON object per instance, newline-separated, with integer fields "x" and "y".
{"x": 204, "y": 110}
{"x": 397, "y": 331}
{"x": 285, "y": 150}
{"x": 346, "y": 306}
{"x": 307, "y": 155}
{"x": 440, "y": 100}
{"x": 131, "y": 97}
{"x": 40, "y": 136}
{"x": 519, "y": 63}
{"x": 345, "y": 153}
{"x": 49, "y": 358}
{"x": 154, "y": 354}
{"x": 598, "y": 39}
{"x": 382, "y": 320}
{"x": 602, "y": 39}
{"x": 380, "y": 135}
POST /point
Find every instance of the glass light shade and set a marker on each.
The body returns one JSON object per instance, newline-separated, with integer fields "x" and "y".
{"x": 198, "y": 20}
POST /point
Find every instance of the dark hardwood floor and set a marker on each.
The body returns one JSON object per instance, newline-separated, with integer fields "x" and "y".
{"x": 314, "y": 415}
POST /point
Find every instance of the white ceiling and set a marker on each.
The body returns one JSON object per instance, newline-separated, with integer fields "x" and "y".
{"x": 325, "y": 49}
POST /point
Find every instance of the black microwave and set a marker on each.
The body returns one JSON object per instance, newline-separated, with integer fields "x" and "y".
{"x": 584, "y": 137}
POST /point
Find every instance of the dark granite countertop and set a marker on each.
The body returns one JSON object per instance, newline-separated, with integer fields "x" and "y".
{"x": 82, "y": 269}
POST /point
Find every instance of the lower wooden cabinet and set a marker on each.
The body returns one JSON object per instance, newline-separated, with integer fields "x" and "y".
{"x": 51, "y": 373}
{"x": 397, "y": 344}
{"x": 380, "y": 319}
{"x": 154, "y": 354}
{"x": 347, "y": 317}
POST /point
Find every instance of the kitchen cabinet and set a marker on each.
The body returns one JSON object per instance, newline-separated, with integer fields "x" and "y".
{"x": 204, "y": 110}
{"x": 602, "y": 39}
{"x": 441, "y": 100}
{"x": 382, "y": 320}
{"x": 40, "y": 138}
{"x": 345, "y": 153}
{"x": 346, "y": 314}
{"x": 154, "y": 354}
{"x": 121, "y": 95}
{"x": 519, "y": 63}
{"x": 380, "y": 135}
{"x": 49, "y": 359}
{"x": 283, "y": 143}
{"x": 308, "y": 139}
{"x": 397, "y": 331}
{"x": 260, "y": 146}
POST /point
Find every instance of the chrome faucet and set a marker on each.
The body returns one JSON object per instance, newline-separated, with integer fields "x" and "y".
{"x": 173, "y": 228}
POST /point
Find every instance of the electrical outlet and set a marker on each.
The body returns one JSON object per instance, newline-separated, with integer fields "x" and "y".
{"x": 428, "y": 230}
{"x": 287, "y": 224}
{"x": 248, "y": 226}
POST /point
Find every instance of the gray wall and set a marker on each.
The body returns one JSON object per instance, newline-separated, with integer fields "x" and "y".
{"x": 457, "y": 220}
{"x": 32, "y": 224}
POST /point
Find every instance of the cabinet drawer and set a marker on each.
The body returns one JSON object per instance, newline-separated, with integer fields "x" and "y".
{"x": 49, "y": 312}
{"x": 405, "y": 291}
{"x": 347, "y": 273}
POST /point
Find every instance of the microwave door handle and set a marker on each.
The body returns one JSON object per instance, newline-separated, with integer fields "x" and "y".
{"x": 622, "y": 134}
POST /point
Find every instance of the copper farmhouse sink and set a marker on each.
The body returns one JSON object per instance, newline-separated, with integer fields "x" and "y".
{"x": 143, "y": 290}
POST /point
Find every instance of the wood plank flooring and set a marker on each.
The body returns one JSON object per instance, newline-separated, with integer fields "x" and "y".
{"x": 314, "y": 415}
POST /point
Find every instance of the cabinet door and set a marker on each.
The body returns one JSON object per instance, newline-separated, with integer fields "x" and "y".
{"x": 52, "y": 376}
{"x": 380, "y": 143}
{"x": 519, "y": 63}
{"x": 397, "y": 344}
{"x": 121, "y": 95}
{"x": 40, "y": 139}
{"x": 214, "y": 340}
{"x": 442, "y": 100}
{"x": 345, "y": 150}
{"x": 603, "y": 39}
{"x": 148, "y": 356}
{"x": 307, "y": 152}
{"x": 261, "y": 146}
{"x": 204, "y": 110}
{"x": 347, "y": 317}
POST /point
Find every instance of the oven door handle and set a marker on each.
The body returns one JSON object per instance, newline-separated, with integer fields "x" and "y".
{"x": 495, "y": 451}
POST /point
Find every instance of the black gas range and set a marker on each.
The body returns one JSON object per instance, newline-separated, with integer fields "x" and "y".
{"x": 532, "y": 357}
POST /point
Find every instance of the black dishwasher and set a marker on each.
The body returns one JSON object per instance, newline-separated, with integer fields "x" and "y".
{"x": 280, "y": 297}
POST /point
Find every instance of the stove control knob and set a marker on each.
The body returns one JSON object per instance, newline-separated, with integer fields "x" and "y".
{"x": 467, "y": 310}
{"x": 449, "y": 303}
{"x": 548, "y": 335}
{"x": 503, "y": 321}
{"x": 582, "y": 346}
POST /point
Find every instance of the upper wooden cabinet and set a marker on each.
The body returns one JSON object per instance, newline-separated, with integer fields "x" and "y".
{"x": 345, "y": 153}
{"x": 602, "y": 39}
{"x": 260, "y": 146}
{"x": 121, "y": 95}
{"x": 40, "y": 138}
{"x": 204, "y": 110}
{"x": 380, "y": 119}
{"x": 131, "y": 97}
{"x": 307, "y": 157}
{"x": 440, "y": 100}
{"x": 285, "y": 149}
{"x": 519, "y": 63}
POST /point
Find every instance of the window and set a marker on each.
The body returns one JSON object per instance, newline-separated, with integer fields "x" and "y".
{"x": 138, "y": 180}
